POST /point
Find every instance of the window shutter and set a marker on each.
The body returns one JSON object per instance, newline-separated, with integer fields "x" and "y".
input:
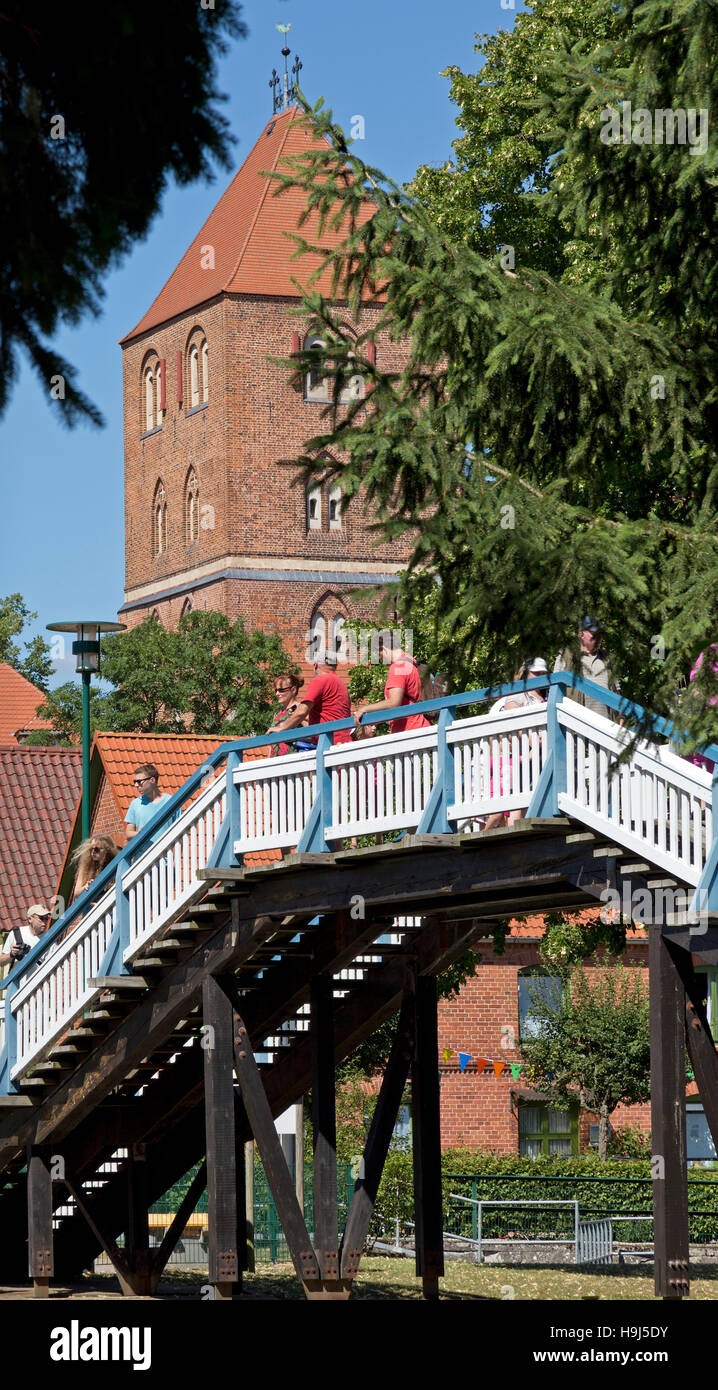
{"x": 163, "y": 384}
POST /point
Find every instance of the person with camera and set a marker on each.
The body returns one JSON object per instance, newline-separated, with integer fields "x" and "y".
{"x": 20, "y": 940}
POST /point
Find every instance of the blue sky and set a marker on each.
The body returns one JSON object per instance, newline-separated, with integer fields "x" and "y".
{"x": 62, "y": 518}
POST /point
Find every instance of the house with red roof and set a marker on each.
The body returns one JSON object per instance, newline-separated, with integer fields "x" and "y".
{"x": 39, "y": 792}
{"x": 19, "y": 700}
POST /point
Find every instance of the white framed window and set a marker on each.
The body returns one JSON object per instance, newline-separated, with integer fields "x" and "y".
{"x": 191, "y": 509}
{"x": 149, "y": 400}
{"x": 159, "y": 521}
{"x": 316, "y": 387}
{"x": 317, "y": 648}
{"x": 337, "y": 637}
{"x": 193, "y": 377}
{"x": 314, "y": 509}
{"x": 205, "y": 372}
{"x": 158, "y": 394}
{"x": 354, "y": 389}
{"x": 335, "y": 509}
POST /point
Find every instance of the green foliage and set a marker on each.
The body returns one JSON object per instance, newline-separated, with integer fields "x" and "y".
{"x": 593, "y": 1045}
{"x": 211, "y": 676}
{"x": 522, "y": 446}
{"x": 567, "y": 941}
{"x": 138, "y": 98}
{"x": 395, "y": 1197}
{"x": 36, "y": 665}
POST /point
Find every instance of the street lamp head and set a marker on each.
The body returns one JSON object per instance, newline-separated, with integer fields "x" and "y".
{"x": 86, "y": 647}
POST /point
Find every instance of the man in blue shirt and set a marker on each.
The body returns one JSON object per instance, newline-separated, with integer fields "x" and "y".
{"x": 148, "y": 801}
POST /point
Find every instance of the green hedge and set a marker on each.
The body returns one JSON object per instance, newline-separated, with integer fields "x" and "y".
{"x": 502, "y": 1180}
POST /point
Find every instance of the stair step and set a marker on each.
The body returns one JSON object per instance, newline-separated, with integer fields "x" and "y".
{"x": 118, "y": 983}
{"x": 150, "y": 963}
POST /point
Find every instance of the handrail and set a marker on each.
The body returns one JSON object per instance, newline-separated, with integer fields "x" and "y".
{"x": 150, "y": 832}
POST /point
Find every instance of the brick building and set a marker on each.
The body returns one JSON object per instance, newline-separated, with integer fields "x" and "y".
{"x": 212, "y": 518}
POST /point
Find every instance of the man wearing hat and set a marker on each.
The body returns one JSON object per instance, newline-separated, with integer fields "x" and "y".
{"x": 22, "y": 939}
{"x": 594, "y": 665}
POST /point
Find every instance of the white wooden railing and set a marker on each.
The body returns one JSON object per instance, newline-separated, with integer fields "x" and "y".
{"x": 656, "y": 804}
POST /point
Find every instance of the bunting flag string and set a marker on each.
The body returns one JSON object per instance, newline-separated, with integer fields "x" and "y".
{"x": 466, "y": 1057}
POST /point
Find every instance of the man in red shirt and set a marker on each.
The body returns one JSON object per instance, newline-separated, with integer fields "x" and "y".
{"x": 403, "y": 687}
{"x": 326, "y": 698}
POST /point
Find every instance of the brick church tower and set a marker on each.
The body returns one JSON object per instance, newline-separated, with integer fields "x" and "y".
{"x": 211, "y": 518}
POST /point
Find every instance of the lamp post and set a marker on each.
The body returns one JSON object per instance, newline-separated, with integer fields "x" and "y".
{"x": 86, "y": 648}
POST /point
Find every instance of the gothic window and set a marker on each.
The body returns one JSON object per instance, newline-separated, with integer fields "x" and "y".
{"x": 193, "y": 376}
{"x": 354, "y": 389}
{"x": 186, "y": 607}
{"x": 149, "y": 400}
{"x": 314, "y": 509}
{"x": 159, "y": 521}
{"x": 158, "y": 394}
{"x": 316, "y": 650}
{"x": 316, "y": 387}
{"x": 337, "y": 637}
{"x": 191, "y": 508}
{"x": 205, "y": 371}
{"x": 335, "y": 509}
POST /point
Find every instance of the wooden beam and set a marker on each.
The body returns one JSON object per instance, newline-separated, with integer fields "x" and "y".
{"x": 378, "y": 1141}
{"x": 106, "y": 1242}
{"x": 699, "y": 1039}
{"x": 326, "y": 1237}
{"x": 220, "y": 1130}
{"x": 137, "y": 1240}
{"x": 426, "y": 1136}
{"x": 273, "y": 1160}
{"x": 173, "y": 1233}
{"x": 39, "y": 1221}
{"x": 668, "y": 1121}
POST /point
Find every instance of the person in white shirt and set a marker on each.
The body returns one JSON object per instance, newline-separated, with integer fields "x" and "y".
{"x": 21, "y": 939}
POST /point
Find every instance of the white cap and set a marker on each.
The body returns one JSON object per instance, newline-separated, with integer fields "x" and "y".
{"x": 538, "y": 665}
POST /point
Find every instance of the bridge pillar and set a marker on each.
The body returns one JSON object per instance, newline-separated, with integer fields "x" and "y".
{"x": 326, "y": 1234}
{"x": 39, "y": 1224}
{"x": 426, "y": 1137}
{"x": 668, "y": 1120}
{"x": 140, "y": 1278}
{"x": 220, "y": 1128}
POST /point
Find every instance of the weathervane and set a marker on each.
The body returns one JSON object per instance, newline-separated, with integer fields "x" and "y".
{"x": 282, "y": 99}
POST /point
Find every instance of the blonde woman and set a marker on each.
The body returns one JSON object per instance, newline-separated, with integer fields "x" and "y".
{"x": 91, "y": 857}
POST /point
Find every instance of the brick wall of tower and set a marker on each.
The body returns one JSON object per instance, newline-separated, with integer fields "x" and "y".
{"x": 476, "y": 1108}
{"x": 249, "y": 507}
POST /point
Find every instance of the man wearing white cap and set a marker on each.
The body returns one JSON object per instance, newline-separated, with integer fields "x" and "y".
{"x": 22, "y": 939}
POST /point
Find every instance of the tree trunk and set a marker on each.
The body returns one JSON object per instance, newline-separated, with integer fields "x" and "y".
{"x": 603, "y": 1115}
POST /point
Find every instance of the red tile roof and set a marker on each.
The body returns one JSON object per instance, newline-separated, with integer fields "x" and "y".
{"x": 176, "y": 757}
{"x": 532, "y": 928}
{"x": 39, "y": 788}
{"x": 19, "y": 699}
{"x": 247, "y": 232}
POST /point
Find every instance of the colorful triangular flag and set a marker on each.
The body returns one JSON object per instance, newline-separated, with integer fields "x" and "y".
{"x": 515, "y": 1069}
{"x": 448, "y": 1052}
{"x": 481, "y": 1063}
{"x": 464, "y": 1059}
{"x": 498, "y": 1068}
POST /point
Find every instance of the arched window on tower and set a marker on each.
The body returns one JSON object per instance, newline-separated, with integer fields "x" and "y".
{"x": 149, "y": 399}
{"x": 314, "y": 509}
{"x": 158, "y": 394}
{"x": 338, "y": 637}
{"x": 159, "y": 520}
{"x": 191, "y": 508}
{"x": 205, "y": 372}
{"x": 316, "y": 387}
{"x": 354, "y": 389}
{"x": 186, "y": 607}
{"x": 335, "y": 508}
{"x": 194, "y": 376}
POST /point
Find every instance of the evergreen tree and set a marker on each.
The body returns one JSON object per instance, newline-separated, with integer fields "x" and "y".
{"x": 97, "y": 110}
{"x": 546, "y": 445}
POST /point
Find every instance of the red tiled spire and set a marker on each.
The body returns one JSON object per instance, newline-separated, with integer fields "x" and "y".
{"x": 243, "y": 247}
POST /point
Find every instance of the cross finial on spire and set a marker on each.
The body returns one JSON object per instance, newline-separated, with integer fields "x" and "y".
{"x": 284, "y": 92}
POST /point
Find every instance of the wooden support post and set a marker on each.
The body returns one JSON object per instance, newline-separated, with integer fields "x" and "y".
{"x": 426, "y": 1135}
{"x": 221, "y": 1140}
{"x": 668, "y": 1120}
{"x": 138, "y": 1226}
{"x": 326, "y": 1237}
{"x": 240, "y": 1121}
{"x": 378, "y": 1141}
{"x": 699, "y": 1039}
{"x": 249, "y": 1203}
{"x": 39, "y": 1221}
{"x": 273, "y": 1160}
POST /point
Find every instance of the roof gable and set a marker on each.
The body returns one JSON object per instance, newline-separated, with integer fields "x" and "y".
{"x": 19, "y": 699}
{"x": 247, "y": 232}
{"x": 39, "y": 790}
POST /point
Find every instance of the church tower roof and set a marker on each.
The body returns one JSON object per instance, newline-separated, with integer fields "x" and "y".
{"x": 246, "y": 231}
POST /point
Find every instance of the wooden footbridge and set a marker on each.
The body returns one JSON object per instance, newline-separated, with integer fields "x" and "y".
{"x": 174, "y": 1016}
